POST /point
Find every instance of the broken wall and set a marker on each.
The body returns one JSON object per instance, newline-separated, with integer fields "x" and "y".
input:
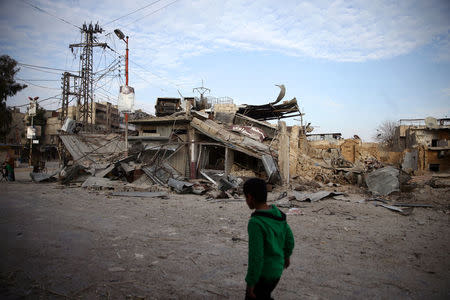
{"x": 354, "y": 150}
{"x": 179, "y": 160}
{"x": 349, "y": 149}
{"x": 51, "y": 131}
{"x": 226, "y": 108}
{"x": 161, "y": 130}
{"x": 437, "y": 160}
{"x": 410, "y": 162}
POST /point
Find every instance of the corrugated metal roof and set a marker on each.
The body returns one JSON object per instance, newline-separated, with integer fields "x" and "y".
{"x": 88, "y": 149}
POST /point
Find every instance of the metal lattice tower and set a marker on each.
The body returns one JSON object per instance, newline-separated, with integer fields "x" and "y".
{"x": 68, "y": 90}
{"x": 85, "y": 103}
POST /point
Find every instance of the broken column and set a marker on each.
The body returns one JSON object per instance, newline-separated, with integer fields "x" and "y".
{"x": 302, "y": 143}
{"x": 229, "y": 160}
{"x": 283, "y": 152}
{"x": 293, "y": 149}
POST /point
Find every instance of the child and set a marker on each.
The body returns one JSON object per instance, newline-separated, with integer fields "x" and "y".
{"x": 9, "y": 171}
{"x": 270, "y": 242}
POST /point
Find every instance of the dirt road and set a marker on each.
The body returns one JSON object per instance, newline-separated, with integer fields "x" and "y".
{"x": 70, "y": 242}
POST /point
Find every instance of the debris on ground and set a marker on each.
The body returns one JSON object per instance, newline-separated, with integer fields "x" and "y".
{"x": 403, "y": 211}
{"x": 440, "y": 181}
{"x": 294, "y": 211}
{"x": 141, "y": 194}
{"x": 43, "y": 177}
{"x": 100, "y": 183}
{"x": 313, "y": 197}
{"x": 181, "y": 187}
{"x": 412, "y": 205}
{"x": 383, "y": 181}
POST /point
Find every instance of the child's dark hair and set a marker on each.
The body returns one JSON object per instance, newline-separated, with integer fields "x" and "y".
{"x": 257, "y": 188}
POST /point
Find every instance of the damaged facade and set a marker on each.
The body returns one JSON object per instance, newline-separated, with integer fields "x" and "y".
{"x": 216, "y": 144}
{"x": 424, "y": 143}
{"x": 206, "y": 144}
{"x": 12, "y": 146}
{"x": 222, "y": 140}
{"x": 105, "y": 115}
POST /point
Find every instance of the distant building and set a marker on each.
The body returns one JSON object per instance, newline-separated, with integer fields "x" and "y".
{"x": 105, "y": 115}
{"x": 426, "y": 142}
{"x": 15, "y": 139}
{"x": 138, "y": 115}
{"x": 329, "y": 137}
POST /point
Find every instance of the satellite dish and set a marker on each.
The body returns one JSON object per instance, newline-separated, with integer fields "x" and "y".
{"x": 431, "y": 122}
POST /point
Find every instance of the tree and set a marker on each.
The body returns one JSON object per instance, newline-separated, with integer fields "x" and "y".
{"x": 386, "y": 134}
{"x": 8, "y": 88}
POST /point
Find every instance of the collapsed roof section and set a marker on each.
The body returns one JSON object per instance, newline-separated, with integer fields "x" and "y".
{"x": 89, "y": 149}
{"x": 268, "y": 112}
{"x": 235, "y": 141}
{"x": 272, "y": 111}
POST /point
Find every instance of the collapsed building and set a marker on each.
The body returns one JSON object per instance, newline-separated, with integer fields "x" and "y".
{"x": 224, "y": 139}
{"x": 190, "y": 140}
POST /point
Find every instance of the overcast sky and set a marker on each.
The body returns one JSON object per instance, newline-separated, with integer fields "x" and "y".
{"x": 350, "y": 64}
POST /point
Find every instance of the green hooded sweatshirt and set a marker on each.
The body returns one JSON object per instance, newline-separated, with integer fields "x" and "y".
{"x": 270, "y": 241}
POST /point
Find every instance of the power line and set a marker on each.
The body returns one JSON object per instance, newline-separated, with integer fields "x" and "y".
{"x": 154, "y": 12}
{"x": 109, "y": 98}
{"x": 39, "y": 86}
{"x": 38, "y": 79}
{"x": 100, "y": 61}
{"x": 42, "y": 100}
{"x": 105, "y": 91}
{"x": 46, "y": 12}
{"x": 45, "y": 71}
{"x": 105, "y": 83}
{"x": 160, "y": 77}
{"x": 144, "y": 7}
{"x": 143, "y": 68}
{"x": 137, "y": 74}
{"x": 53, "y": 97}
{"x": 114, "y": 64}
{"x": 42, "y": 67}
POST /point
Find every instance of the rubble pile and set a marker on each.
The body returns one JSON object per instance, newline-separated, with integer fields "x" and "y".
{"x": 211, "y": 151}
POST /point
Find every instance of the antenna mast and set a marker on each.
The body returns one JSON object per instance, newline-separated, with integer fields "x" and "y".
{"x": 201, "y": 90}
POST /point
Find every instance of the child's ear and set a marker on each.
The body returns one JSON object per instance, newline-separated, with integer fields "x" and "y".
{"x": 249, "y": 197}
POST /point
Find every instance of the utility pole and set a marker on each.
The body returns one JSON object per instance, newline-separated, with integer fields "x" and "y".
{"x": 68, "y": 90}
{"x": 85, "y": 103}
{"x": 31, "y": 143}
{"x": 124, "y": 38}
{"x": 32, "y": 113}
